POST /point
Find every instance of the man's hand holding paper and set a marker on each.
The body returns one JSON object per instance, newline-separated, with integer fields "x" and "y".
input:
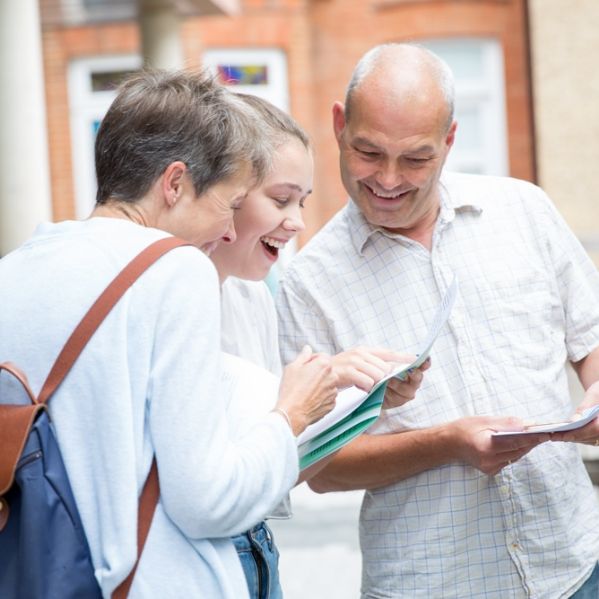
{"x": 586, "y": 414}
{"x": 475, "y": 440}
{"x": 401, "y": 390}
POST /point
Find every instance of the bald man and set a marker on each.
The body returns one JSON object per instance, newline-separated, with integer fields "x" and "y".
{"x": 450, "y": 510}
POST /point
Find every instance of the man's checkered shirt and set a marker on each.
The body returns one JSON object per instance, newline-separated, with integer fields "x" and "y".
{"x": 528, "y": 301}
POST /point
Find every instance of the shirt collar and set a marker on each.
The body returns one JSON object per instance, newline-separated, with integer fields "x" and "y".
{"x": 452, "y": 202}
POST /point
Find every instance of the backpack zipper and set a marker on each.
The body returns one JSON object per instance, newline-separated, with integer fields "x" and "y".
{"x": 29, "y": 458}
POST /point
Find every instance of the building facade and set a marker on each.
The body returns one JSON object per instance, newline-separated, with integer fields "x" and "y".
{"x": 525, "y": 85}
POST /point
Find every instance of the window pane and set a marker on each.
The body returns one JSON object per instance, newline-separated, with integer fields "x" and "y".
{"x": 464, "y": 57}
{"x": 109, "y": 80}
{"x": 470, "y": 128}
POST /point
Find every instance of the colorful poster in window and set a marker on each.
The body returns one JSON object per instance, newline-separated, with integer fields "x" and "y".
{"x": 246, "y": 74}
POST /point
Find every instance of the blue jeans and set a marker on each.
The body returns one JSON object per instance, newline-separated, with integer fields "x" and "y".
{"x": 590, "y": 589}
{"x": 259, "y": 559}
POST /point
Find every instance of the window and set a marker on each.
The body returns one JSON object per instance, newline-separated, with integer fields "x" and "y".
{"x": 91, "y": 90}
{"x": 481, "y": 139}
{"x": 263, "y": 73}
{"x": 79, "y": 12}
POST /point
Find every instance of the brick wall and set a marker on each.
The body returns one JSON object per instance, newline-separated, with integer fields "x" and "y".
{"x": 322, "y": 40}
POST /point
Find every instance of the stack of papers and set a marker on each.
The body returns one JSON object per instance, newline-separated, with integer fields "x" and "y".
{"x": 555, "y": 427}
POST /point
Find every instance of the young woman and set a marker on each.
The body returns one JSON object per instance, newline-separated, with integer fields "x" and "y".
{"x": 270, "y": 217}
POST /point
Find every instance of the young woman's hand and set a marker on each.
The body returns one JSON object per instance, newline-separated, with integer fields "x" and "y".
{"x": 364, "y": 366}
{"x": 308, "y": 389}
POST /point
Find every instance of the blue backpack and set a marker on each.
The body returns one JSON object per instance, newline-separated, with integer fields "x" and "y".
{"x": 43, "y": 549}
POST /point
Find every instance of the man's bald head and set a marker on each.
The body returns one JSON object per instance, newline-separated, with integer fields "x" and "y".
{"x": 403, "y": 72}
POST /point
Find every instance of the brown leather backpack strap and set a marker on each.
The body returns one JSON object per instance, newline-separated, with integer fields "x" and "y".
{"x": 100, "y": 309}
{"x": 21, "y": 377}
{"x": 15, "y": 423}
{"x": 147, "y": 507}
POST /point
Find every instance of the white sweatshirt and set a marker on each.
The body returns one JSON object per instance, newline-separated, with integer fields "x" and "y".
{"x": 146, "y": 383}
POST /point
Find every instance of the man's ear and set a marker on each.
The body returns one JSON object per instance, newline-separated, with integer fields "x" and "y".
{"x": 172, "y": 181}
{"x": 450, "y": 137}
{"x": 338, "y": 120}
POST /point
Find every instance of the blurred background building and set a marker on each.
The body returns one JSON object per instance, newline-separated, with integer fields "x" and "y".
{"x": 527, "y": 93}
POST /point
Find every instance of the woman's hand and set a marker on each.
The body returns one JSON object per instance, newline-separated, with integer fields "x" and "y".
{"x": 364, "y": 366}
{"x": 308, "y": 389}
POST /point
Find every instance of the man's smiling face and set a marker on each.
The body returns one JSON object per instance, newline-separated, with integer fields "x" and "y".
{"x": 392, "y": 154}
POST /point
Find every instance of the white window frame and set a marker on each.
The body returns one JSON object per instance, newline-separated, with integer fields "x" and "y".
{"x": 488, "y": 95}
{"x": 86, "y": 107}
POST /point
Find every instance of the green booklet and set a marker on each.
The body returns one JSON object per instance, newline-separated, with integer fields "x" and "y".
{"x": 343, "y": 431}
{"x": 356, "y": 410}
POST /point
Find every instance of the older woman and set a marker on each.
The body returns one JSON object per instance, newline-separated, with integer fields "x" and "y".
{"x": 175, "y": 155}
{"x": 269, "y": 218}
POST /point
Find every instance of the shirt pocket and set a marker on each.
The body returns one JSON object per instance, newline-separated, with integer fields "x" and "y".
{"x": 520, "y": 316}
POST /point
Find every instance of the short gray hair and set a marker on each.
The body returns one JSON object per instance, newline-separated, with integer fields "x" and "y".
{"x": 439, "y": 68}
{"x": 279, "y": 124}
{"x": 160, "y": 117}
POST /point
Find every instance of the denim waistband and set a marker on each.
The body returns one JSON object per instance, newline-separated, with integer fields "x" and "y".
{"x": 259, "y": 529}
